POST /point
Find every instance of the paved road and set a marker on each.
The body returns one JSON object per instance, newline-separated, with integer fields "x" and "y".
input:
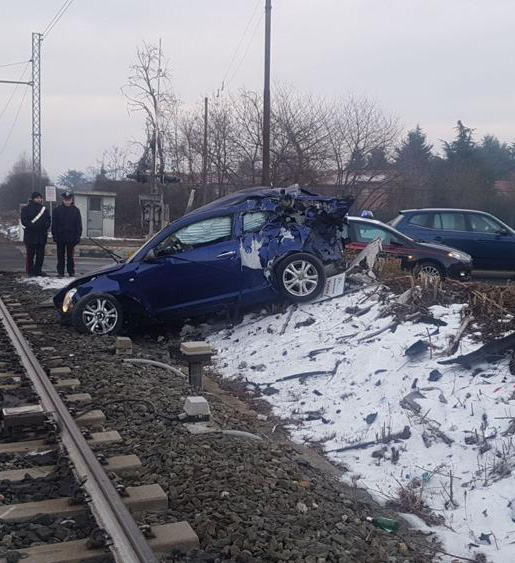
{"x": 13, "y": 260}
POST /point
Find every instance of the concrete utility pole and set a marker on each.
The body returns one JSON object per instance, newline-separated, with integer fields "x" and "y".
{"x": 265, "y": 178}
{"x": 204, "y": 151}
{"x": 36, "y": 108}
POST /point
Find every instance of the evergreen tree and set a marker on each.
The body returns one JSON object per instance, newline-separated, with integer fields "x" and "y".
{"x": 463, "y": 180}
{"x": 377, "y": 160}
{"x": 498, "y": 158}
{"x": 357, "y": 160}
{"x": 415, "y": 153}
{"x": 413, "y": 163}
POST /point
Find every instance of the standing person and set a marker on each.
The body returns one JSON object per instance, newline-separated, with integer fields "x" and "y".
{"x": 35, "y": 219}
{"x": 66, "y": 230}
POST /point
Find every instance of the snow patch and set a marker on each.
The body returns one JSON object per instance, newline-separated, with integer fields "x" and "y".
{"x": 341, "y": 383}
{"x": 48, "y": 282}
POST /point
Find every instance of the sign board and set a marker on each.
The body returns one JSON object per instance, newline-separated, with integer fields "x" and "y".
{"x": 50, "y": 193}
{"x": 334, "y": 287}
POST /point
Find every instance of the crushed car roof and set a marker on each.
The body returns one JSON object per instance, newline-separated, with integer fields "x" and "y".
{"x": 241, "y": 196}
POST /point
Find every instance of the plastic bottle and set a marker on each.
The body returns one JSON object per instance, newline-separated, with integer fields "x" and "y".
{"x": 386, "y": 524}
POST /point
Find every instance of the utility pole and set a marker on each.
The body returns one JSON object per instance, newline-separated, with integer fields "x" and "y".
{"x": 204, "y": 149}
{"x": 36, "y": 108}
{"x": 154, "y": 189}
{"x": 37, "y": 38}
{"x": 265, "y": 178}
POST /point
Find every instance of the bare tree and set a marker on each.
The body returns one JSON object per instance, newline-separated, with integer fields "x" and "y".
{"x": 114, "y": 164}
{"x": 149, "y": 91}
{"x": 357, "y": 128}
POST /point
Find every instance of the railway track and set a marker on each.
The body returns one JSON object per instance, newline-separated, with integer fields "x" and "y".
{"x": 38, "y": 424}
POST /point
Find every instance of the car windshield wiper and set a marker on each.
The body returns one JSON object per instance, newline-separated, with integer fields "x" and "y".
{"x": 116, "y": 257}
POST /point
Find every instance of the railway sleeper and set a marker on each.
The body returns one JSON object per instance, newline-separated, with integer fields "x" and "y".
{"x": 145, "y": 498}
{"x": 166, "y": 537}
{"x": 96, "y": 439}
{"x": 58, "y": 384}
{"x": 120, "y": 465}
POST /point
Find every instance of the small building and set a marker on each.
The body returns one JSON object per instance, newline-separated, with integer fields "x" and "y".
{"x": 97, "y": 210}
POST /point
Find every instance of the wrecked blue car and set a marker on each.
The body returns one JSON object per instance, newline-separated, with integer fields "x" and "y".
{"x": 256, "y": 246}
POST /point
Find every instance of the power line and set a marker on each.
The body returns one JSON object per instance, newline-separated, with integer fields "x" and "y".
{"x": 235, "y": 53}
{"x": 14, "y": 64}
{"x": 14, "y": 90}
{"x": 14, "y": 121}
{"x": 247, "y": 49}
{"x": 59, "y": 14}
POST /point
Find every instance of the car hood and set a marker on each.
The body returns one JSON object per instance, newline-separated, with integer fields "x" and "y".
{"x": 442, "y": 248}
{"x": 59, "y": 296}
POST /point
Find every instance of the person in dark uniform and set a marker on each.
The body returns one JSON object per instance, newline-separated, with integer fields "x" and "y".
{"x": 35, "y": 219}
{"x": 66, "y": 230}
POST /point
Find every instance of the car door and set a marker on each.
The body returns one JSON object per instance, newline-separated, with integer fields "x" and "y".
{"x": 494, "y": 244}
{"x": 362, "y": 233}
{"x": 195, "y": 269}
{"x": 451, "y": 229}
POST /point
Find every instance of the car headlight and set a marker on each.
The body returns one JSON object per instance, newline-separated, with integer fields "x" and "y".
{"x": 460, "y": 256}
{"x": 68, "y": 300}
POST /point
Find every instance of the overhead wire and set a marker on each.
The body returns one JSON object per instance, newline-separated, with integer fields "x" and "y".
{"x": 240, "y": 43}
{"x": 247, "y": 49}
{"x": 14, "y": 121}
{"x": 59, "y": 14}
{"x": 14, "y": 90}
{"x": 15, "y": 64}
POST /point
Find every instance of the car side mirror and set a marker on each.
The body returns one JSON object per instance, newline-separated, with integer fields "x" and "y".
{"x": 151, "y": 257}
{"x": 503, "y": 232}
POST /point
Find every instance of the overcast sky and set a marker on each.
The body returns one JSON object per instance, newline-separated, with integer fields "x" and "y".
{"x": 430, "y": 62}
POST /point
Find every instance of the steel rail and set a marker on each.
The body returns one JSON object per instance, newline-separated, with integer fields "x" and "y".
{"x": 128, "y": 543}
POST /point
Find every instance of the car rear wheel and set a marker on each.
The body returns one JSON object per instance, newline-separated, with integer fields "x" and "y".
{"x": 99, "y": 314}
{"x": 430, "y": 271}
{"x": 301, "y": 277}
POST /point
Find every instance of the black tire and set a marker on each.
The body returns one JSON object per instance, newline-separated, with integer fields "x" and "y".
{"x": 311, "y": 278}
{"x": 98, "y": 313}
{"x": 430, "y": 269}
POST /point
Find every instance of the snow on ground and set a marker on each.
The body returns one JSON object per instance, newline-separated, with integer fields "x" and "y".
{"x": 12, "y": 232}
{"x": 45, "y": 282}
{"x": 355, "y": 398}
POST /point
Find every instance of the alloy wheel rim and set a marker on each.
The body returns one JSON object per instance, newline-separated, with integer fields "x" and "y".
{"x": 430, "y": 272}
{"x": 100, "y": 316}
{"x": 300, "y": 278}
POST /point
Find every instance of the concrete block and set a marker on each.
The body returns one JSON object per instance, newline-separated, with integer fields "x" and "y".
{"x": 196, "y": 348}
{"x": 196, "y": 406}
{"x": 47, "y": 349}
{"x": 123, "y": 345}
{"x": 57, "y": 372}
{"x": 67, "y": 384}
{"x": 78, "y": 398}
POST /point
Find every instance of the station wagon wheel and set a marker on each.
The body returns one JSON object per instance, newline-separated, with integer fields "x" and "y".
{"x": 429, "y": 270}
{"x": 97, "y": 314}
{"x": 301, "y": 277}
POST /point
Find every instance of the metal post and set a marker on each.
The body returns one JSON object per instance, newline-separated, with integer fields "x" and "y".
{"x": 204, "y": 151}
{"x": 36, "y": 108}
{"x": 265, "y": 178}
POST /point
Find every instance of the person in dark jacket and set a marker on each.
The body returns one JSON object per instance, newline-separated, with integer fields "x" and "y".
{"x": 66, "y": 230}
{"x": 35, "y": 220}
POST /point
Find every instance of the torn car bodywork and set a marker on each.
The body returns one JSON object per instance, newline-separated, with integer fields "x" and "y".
{"x": 296, "y": 223}
{"x": 223, "y": 254}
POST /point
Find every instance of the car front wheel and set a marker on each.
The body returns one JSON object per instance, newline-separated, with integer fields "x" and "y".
{"x": 301, "y": 277}
{"x": 430, "y": 271}
{"x": 99, "y": 314}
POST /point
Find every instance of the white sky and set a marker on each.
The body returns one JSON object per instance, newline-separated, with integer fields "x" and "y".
{"x": 428, "y": 61}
